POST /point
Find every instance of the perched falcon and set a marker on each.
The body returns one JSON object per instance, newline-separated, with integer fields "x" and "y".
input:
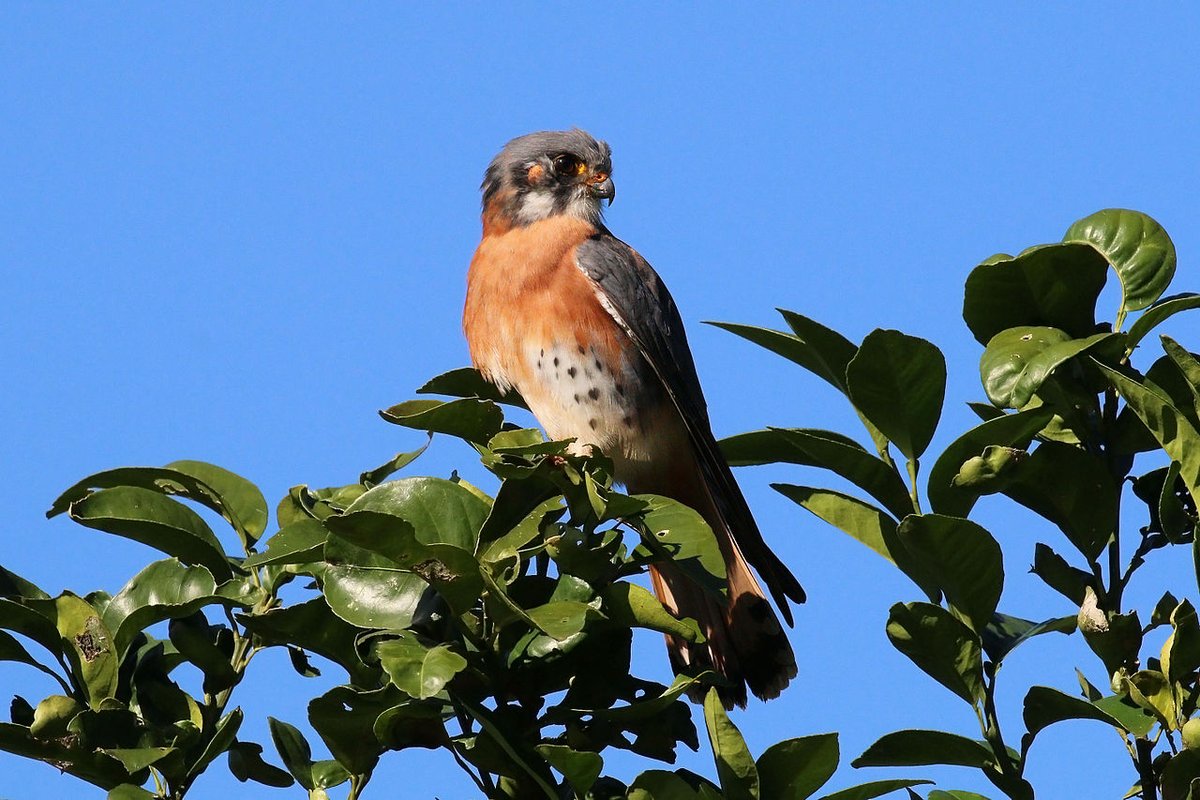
{"x": 577, "y": 322}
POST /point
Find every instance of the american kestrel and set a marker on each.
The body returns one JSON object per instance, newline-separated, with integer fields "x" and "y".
{"x": 584, "y": 329}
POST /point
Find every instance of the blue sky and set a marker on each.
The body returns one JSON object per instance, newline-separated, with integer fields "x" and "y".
{"x": 232, "y": 233}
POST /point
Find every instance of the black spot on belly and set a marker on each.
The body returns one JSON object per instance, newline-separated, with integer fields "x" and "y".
{"x": 579, "y": 347}
{"x": 542, "y": 352}
{"x": 576, "y": 398}
{"x": 599, "y": 366}
{"x": 594, "y": 393}
{"x": 571, "y": 371}
{"x": 556, "y": 361}
{"x": 592, "y": 424}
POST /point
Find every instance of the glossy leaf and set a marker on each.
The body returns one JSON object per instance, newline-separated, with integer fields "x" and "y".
{"x": 168, "y": 590}
{"x": 1009, "y": 430}
{"x": 1084, "y": 508}
{"x": 13, "y": 650}
{"x": 293, "y": 748}
{"x": 794, "y": 349}
{"x": 223, "y": 736}
{"x": 580, "y": 768}
{"x": 1133, "y": 719}
{"x": 369, "y": 590}
{"x": 374, "y": 477}
{"x": 898, "y": 382}
{"x": 918, "y": 748}
{"x": 299, "y": 542}
{"x": 796, "y": 768}
{"x": 247, "y": 764}
{"x": 771, "y": 447}
{"x": 89, "y": 647}
{"x": 1170, "y": 428}
{"x": 683, "y": 534}
{"x": 314, "y": 627}
{"x": 849, "y": 460}
{"x": 1060, "y": 576}
{"x": 869, "y": 791}
{"x": 477, "y": 421}
{"x": 241, "y": 502}
{"x": 388, "y": 544}
{"x": 863, "y": 522}
{"x": 439, "y": 511}
{"x": 150, "y": 518}
{"x": 1138, "y": 248}
{"x": 964, "y": 561}
{"x": 1004, "y": 633}
{"x": 95, "y": 767}
{"x": 1052, "y": 285}
{"x": 735, "y": 767}
{"x": 127, "y": 791}
{"x": 940, "y": 645}
{"x": 467, "y": 382}
{"x": 13, "y": 585}
{"x": 1181, "y": 652}
{"x": 1156, "y": 314}
{"x": 631, "y": 605}
{"x": 343, "y": 715}
{"x": 1017, "y": 361}
{"x": 416, "y": 669}
{"x": 1045, "y": 706}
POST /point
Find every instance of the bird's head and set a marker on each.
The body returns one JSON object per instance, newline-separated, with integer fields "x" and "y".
{"x": 548, "y": 173}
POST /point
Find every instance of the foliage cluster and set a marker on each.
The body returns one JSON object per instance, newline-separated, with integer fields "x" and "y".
{"x": 499, "y": 628}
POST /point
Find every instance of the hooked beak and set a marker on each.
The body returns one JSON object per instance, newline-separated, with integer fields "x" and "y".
{"x": 603, "y": 189}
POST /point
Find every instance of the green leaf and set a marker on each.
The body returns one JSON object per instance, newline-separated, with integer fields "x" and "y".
{"x": 869, "y": 791}
{"x": 299, "y": 542}
{"x": 630, "y": 605}
{"x": 390, "y": 544}
{"x": 1045, "y": 706}
{"x": 135, "y": 759}
{"x": 419, "y": 671}
{"x": 863, "y": 522}
{"x": 562, "y": 619}
{"x": 919, "y": 748}
{"x": 294, "y": 750}
{"x": 735, "y": 766}
{"x": 849, "y": 460}
{"x": 1180, "y": 775}
{"x": 13, "y": 650}
{"x": 374, "y": 477}
{"x": 241, "y": 502}
{"x": 467, "y": 382}
{"x": 127, "y": 791}
{"x": 1171, "y": 429}
{"x": 1156, "y": 314}
{"x": 477, "y": 421}
{"x": 168, "y": 590}
{"x": 796, "y": 350}
{"x": 93, "y": 766}
{"x": 343, "y": 715}
{"x": 580, "y": 768}
{"x": 208, "y": 647}
{"x": 940, "y": 645}
{"x": 1189, "y": 369}
{"x": 13, "y": 585}
{"x": 1004, "y": 634}
{"x": 1060, "y": 576}
{"x": 89, "y": 647}
{"x": 898, "y": 382}
{"x": 1131, "y": 718}
{"x": 246, "y": 764}
{"x": 150, "y": 518}
{"x": 440, "y": 511}
{"x": 955, "y": 794}
{"x": 314, "y": 627}
{"x": 1181, "y": 652}
{"x": 796, "y": 768}
{"x": 672, "y": 528}
{"x": 1017, "y": 361}
{"x": 1010, "y": 430}
{"x": 1084, "y": 508}
{"x": 52, "y": 715}
{"x": 223, "y": 737}
{"x": 1138, "y": 248}
{"x": 964, "y": 561}
{"x": 370, "y": 590}
{"x": 1053, "y": 285}
{"x": 770, "y": 447}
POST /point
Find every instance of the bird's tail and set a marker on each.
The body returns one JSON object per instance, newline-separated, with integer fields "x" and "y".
{"x": 744, "y": 642}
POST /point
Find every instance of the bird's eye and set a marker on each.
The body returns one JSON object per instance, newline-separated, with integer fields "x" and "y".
{"x": 568, "y": 165}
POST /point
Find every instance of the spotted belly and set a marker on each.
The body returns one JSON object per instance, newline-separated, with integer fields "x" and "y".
{"x": 575, "y": 392}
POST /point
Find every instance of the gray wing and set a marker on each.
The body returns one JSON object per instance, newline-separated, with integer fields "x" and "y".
{"x": 633, "y": 293}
